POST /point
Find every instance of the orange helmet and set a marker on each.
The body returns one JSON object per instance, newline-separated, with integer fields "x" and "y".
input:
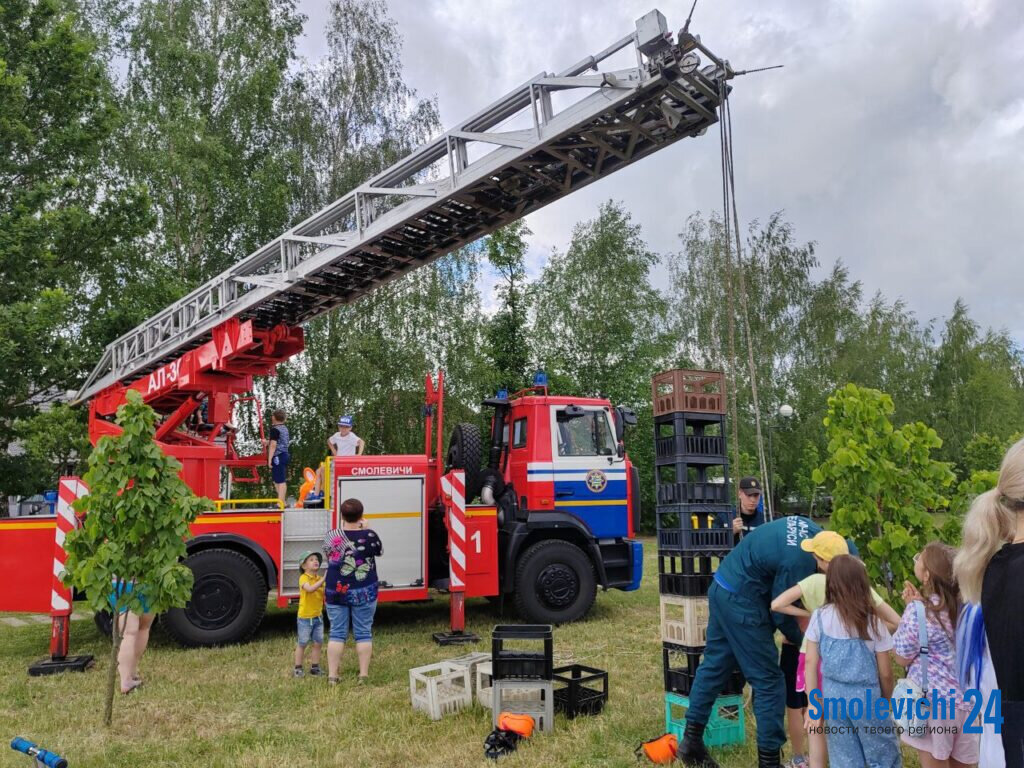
{"x": 521, "y": 725}
{"x": 661, "y": 750}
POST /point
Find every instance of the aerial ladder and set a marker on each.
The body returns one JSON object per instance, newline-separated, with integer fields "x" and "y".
{"x": 195, "y": 360}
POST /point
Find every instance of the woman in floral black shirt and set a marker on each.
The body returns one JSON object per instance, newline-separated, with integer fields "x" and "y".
{"x": 351, "y": 587}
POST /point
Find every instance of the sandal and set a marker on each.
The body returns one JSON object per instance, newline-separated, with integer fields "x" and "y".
{"x": 136, "y": 684}
{"x": 333, "y": 680}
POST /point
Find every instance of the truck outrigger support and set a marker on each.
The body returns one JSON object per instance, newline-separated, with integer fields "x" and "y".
{"x": 453, "y": 496}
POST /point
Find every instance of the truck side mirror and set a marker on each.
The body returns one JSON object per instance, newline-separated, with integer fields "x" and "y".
{"x": 624, "y": 417}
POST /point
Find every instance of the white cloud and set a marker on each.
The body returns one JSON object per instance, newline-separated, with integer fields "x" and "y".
{"x": 893, "y": 136}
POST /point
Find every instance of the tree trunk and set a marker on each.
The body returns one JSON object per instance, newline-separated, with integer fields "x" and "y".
{"x": 115, "y": 647}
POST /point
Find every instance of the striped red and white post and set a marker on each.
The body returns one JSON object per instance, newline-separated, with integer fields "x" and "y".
{"x": 70, "y": 489}
{"x": 453, "y": 487}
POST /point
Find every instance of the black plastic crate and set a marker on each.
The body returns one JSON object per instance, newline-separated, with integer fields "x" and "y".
{"x": 694, "y": 516}
{"x": 684, "y": 585}
{"x": 688, "y": 563}
{"x": 702, "y": 449}
{"x": 576, "y": 696}
{"x": 714, "y": 541}
{"x": 692, "y": 493}
{"x": 516, "y": 662}
{"x": 682, "y": 422}
{"x": 680, "y": 664}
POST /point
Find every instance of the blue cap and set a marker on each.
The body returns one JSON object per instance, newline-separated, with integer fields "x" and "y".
{"x": 345, "y": 421}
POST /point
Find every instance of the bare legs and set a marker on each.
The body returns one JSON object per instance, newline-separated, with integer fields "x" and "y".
{"x": 334, "y": 650}
{"x": 134, "y": 639}
{"x": 819, "y": 748}
{"x": 364, "y": 651}
{"x": 795, "y": 726}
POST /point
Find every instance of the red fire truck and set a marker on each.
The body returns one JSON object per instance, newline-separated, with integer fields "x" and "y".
{"x": 558, "y": 495}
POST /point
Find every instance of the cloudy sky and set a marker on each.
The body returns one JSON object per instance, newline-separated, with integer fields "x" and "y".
{"x": 893, "y": 137}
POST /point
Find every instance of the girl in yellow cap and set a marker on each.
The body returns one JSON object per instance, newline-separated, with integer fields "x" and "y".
{"x": 811, "y": 592}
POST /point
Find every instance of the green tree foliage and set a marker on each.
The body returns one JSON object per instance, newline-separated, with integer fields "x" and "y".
{"x": 885, "y": 483}
{"x": 349, "y": 117}
{"x": 137, "y": 516}
{"x": 508, "y": 343}
{"x": 65, "y": 218}
{"x": 370, "y": 359}
{"x": 810, "y": 336}
{"x": 202, "y": 92}
{"x": 976, "y": 387}
{"x": 598, "y": 324}
{"x": 55, "y": 441}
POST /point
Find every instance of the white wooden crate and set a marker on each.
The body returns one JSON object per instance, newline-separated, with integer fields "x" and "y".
{"x": 440, "y": 689}
{"x": 684, "y": 620}
{"x": 525, "y": 697}
{"x": 484, "y": 683}
{"x": 472, "y": 662}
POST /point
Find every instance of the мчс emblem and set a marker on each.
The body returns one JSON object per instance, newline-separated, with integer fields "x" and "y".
{"x": 596, "y": 480}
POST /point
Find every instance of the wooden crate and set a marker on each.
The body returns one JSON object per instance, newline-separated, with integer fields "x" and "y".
{"x": 472, "y": 662}
{"x": 484, "y": 684}
{"x": 684, "y": 620}
{"x": 440, "y": 689}
{"x": 681, "y": 390}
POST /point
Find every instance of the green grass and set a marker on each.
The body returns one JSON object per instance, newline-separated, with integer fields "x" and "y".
{"x": 240, "y": 706}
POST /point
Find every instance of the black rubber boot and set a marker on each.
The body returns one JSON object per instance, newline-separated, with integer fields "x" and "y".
{"x": 692, "y": 751}
{"x": 769, "y": 758}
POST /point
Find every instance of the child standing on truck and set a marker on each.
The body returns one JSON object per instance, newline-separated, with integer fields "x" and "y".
{"x": 277, "y": 453}
{"x": 311, "y": 608}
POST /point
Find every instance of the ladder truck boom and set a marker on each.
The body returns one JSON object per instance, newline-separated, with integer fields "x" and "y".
{"x": 558, "y": 494}
{"x": 462, "y": 185}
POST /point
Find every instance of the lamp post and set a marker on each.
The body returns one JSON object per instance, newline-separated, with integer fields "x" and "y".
{"x": 785, "y": 411}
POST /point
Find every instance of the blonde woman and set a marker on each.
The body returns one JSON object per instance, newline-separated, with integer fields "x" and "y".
{"x": 990, "y": 570}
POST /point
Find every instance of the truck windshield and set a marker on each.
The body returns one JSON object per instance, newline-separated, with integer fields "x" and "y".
{"x": 588, "y": 435}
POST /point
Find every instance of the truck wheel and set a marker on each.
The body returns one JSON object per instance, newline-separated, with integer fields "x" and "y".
{"x": 229, "y": 598}
{"x": 464, "y": 451}
{"x": 555, "y": 583}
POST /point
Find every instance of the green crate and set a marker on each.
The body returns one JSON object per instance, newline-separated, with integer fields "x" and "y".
{"x": 725, "y": 726}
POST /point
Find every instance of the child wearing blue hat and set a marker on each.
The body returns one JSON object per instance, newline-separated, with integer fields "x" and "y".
{"x": 345, "y": 442}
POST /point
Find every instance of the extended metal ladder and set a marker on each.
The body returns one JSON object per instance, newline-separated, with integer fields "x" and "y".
{"x": 438, "y": 199}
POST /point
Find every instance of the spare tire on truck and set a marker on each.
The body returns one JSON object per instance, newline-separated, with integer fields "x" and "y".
{"x": 229, "y": 598}
{"x": 464, "y": 451}
{"x": 555, "y": 583}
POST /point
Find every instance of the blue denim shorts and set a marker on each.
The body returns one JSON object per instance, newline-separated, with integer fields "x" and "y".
{"x": 361, "y": 617}
{"x": 279, "y": 468}
{"x": 311, "y": 630}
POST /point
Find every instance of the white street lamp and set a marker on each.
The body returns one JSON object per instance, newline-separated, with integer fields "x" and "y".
{"x": 785, "y": 410}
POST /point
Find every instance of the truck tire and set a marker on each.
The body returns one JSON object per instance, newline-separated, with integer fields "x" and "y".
{"x": 229, "y": 598}
{"x": 554, "y": 583}
{"x": 464, "y": 451}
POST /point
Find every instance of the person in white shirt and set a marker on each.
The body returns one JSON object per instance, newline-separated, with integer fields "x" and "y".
{"x": 344, "y": 442}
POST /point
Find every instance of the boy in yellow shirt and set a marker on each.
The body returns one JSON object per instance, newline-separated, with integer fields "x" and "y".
{"x": 311, "y": 607}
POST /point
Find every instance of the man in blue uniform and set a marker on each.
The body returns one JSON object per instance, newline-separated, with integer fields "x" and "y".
{"x": 750, "y": 511}
{"x": 741, "y": 632}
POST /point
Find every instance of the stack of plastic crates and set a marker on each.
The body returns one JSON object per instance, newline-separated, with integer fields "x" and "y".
{"x": 694, "y": 520}
{"x": 521, "y": 672}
